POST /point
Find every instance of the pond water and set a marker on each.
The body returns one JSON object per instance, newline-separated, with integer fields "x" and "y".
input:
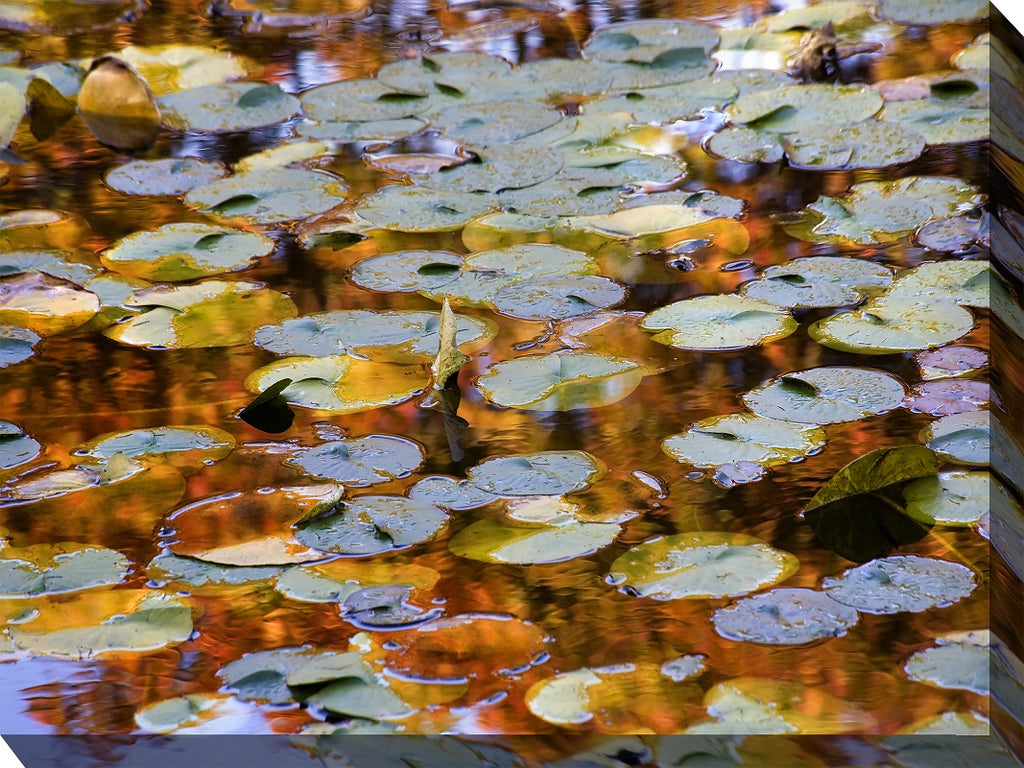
{"x": 463, "y": 617}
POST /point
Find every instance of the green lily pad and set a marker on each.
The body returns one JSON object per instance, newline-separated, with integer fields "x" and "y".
{"x": 13, "y": 103}
{"x": 890, "y": 325}
{"x": 129, "y": 620}
{"x": 965, "y": 282}
{"x": 367, "y": 525}
{"x": 336, "y": 580}
{"x": 392, "y": 335}
{"x": 372, "y": 130}
{"x": 358, "y": 462}
{"x": 950, "y": 724}
{"x": 494, "y": 168}
{"x": 938, "y": 123}
{"x": 339, "y": 384}
{"x": 269, "y": 196}
{"x": 721, "y": 322}
{"x": 185, "y": 252}
{"x": 868, "y": 144}
{"x": 545, "y": 473}
{"x": 882, "y": 211}
{"x": 198, "y": 575}
{"x": 643, "y": 41}
{"x": 818, "y": 281}
{"x": 961, "y": 437}
{"x": 493, "y": 541}
{"x": 418, "y": 209}
{"x": 956, "y": 662}
{"x": 358, "y": 698}
{"x": 16, "y": 446}
{"x": 745, "y": 145}
{"x": 647, "y": 217}
{"x": 560, "y": 381}
{"x": 169, "y": 176}
{"x": 197, "y": 713}
{"x": 451, "y": 74}
{"x": 827, "y": 395}
{"x": 261, "y": 676}
{"x": 701, "y": 565}
{"x": 53, "y": 569}
{"x": 212, "y": 313}
{"x": 668, "y": 103}
{"x": 227, "y": 107}
{"x": 45, "y": 305}
{"x": 976, "y": 55}
{"x": 542, "y": 79}
{"x": 361, "y": 100}
{"x": 930, "y": 12}
{"x": 16, "y": 344}
{"x": 741, "y": 437}
{"x": 178, "y": 446}
{"x": 486, "y": 123}
{"x": 784, "y": 617}
{"x": 75, "y": 267}
{"x": 795, "y": 108}
{"x": 171, "y": 68}
{"x": 449, "y": 493}
{"x": 556, "y": 298}
{"x": 901, "y": 583}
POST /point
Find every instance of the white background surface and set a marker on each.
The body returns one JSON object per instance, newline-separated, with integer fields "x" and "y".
{"x": 1012, "y": 9}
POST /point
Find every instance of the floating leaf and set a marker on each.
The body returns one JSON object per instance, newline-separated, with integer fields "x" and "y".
{"x": 16, "y": 446}
{"x": 269, "y": 196}
{"x": 818, "y": 281}
{"x": 197, "y": 713}
{"x": 962, "y": 437}
{"x": 260, "y": 676}
{"x": 449, "y": 493}
{"x": 901, "y": 583}
{"x": 169, "y": 176}
{"x": 418, "y": 209}
{"x": 16, "y": 344}
{"x": 795, "y": 108}
{"x": 497, "y": 542}
{"x": 367, "y": 525}
{"x": 560, "y": 381}
{"x": 185, "y": 446}
{"x": 361, "y": 100}
{"x": 952, "y": 663}
{"x": 745, "y": 145}
{"x": 45, "y": 305}
{"x": 536, "y": 474}
{"x": 951, "y": 360}
{"x": 784, "y": 617}
{"x": 52, "y": 569}
{"x": 869, "y": 144}
{"x": 644, "y": 41}
{"x": 361, "y": 461}
{"x": 441, "y": 72}
{"x": 357, "y": 698}
{"x": 742, "y": 437}
{"x": 226, "y": 107}
{"x": 486, "y": 123}
{"x": 944, "y": 397}
{"x": 449, "y": 357}
{"x": 956, "y": 234}
{"x": 932, "y": 11}
{"x": 117, "y": 105}
{"x": 965, "y": 282}
{"x": 888, "y": 325}
{"x": 720, "y": 322}
{"x": 198, "y": 575}
{"x": 949, "y": 724}
{"x": 212, "y": 313}
{"x": 171, "y": 68}
{"x": 375, "y": 130}
{"x": 826, "y": 395}
{"x": 75, "y": 267}
{"x": 492, "y": 169}
{"x": 335, "y": 580}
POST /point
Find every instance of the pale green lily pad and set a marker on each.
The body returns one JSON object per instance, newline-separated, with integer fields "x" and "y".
{"x": 868, "y": 144}
{"x": 930, "y": 12}
{"x": 227, "y": 107}
{"x": 290, "y": 153}
{"x": 939, "y": 123}
{"x": 392, "y": 335}
{"x": 361, "y": 100}
{"x": 891, "y": 325}
{"x": 950, "y": 724}
{"x": 374, "y": 130}
{"x": 407, "y": 271}
{"x": 671, "y": 67}
{"x": 485, "y": 123}
{"x": 949, "y": 664}
{"x": 492, "y": 541}
{"x": 560, "y": 381}
{"x": 361, "y": 461}
{"x": 644, "y": 217}
{"x": 212, "y": 313}
{"x": 563, "y": 699}
{"x": 498, "y": 167}
{"x": 113, "y": 291}
{"x": 545, "y": 78}
{"x": 644, "y": 41}
{"x": 701, "y": 565}
{"x": 573, "y": 191}
{"x": 45, "y": 305}
{"x": 667, "y": 103}
{"x": 72, "y": 266}
{"x": 882, "y": 211}
{"x": 556, "y": 298}
{"x": 417, "y": 209}
{"x": 784, "y": 617}
{"x": 16, "y": 344}
{"x": 743, "y": 437}
{"x": 367, "y": 525}
{"x": 965, "y": 282}
{"x": 194, "y": 574}
{"x": 185, "y": 251}
{"x": 721, "y": 322}
{"x": 358, "y": 698}
{"x": 12, "y": 109}
{"x": 452, "y": 74}
{"x": 449, "y": 493}
{"x": 956, "y": 498}
{"x": 269, "y": 196}
{"x": 16, "y": 446}
{"x": 53, "y": 569}
{"x": 169, "y": 176}
{"x": 260, "y": 676}
{"x": 684, "y": 667}
{"x": 546, "y": 473}
{"x": 795, "y": 108}
{"x": 340, "y": 384}
{"x": 745, "y": 145}
{"x": 827, "y": 395}
{"x": 196, "y": 713}
{"x": 818, "y": 281}
{"x": 105, "y": 622}
{"x": 334, "y": 581}
{"x": 171, "y": 68}
{"x": 184, "y": 446}
{"x": 901, "y": 583}
{"x": 812, "y": 16}
{"x": 962, "y": 437}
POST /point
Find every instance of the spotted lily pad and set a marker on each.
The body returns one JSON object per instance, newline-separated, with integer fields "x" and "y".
{"x": 930, "y": 12}
{"x": 741, "y": 437}
{"x": 198, "y": 576}
{"x": 449, "y": 493}
{"x": 951, "y": 360}
{"x": 889, "y": 325}
{"x": 16, "y": 446}
{"x": 177, "y": 446}
{"x": 826, "y": 395}
{"x": 901, "y": 583}
{"x": 492, "y": 169}
{"x": 956, "y": 234}
{"x": 336, "y": 580}
{"x": 784, "y": 617}
{"x": 495, "y": 541}
{"x": 169, "y": 176}
{"x": 269, "y": 196}
{"x": 367, "y": 525}
{"x": 956, "y": 662}
{"x": 16, "y": 344}
{"x": 962, "y": 437}
{"x": 818, "y": 281}
{"x": 227, "y": 107}
{"x": 361, "y": 461}
{"x": 720, "y": 322}
{"x": 212, "y": 313}
{"x": 701, "y": 565}
{"x": 418, "y": 209}
{"x": 560, "y": 381}
{"x": 45, "y": 305}
{"x": 965, "y": 282}
{"x": 536, "y": 474}
{"x": 361, "y": 100}
{"x": 947, "y": 396}
{"x": 185, "y": 252}
{"x": 441, "y": 72}
{"x": 485, "y": 123}
{"x": 868, "y": 144}
{"x": 51, "y": 569}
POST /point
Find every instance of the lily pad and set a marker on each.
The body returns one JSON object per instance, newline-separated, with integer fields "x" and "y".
{"x": 931, "y": 12}
{"x": 361, "y": 100}
{"x": 957, "y": 234}
{"x": 417, "y": 209}
{"x": 449, "y": 493}
{"x": 199, "y": 575}
{"x": 745, "y": 145}
{"x": 951, "y": 360}
{"x": 178, "y": 446}
{"x": 948, "y": 396}
{"x": 16, "y": 446}
{"x": 743, "y": 437}
{"x": 169, "y": 176}
{"x": 270, "y": 196}
{"x": 722, "y": 322}
{"x": 492, "y": 169}
{"x": 128, "y": 620}
{"x": 361, "y": 461}
{"x": 818, "y": 281}
{"x": 952, "y": 664}
{"x": 391, "y": 336}
{"x": 262, "y": 676}
{"x": 16, "y": 344}
{"x": 560, "y": 381}
{"x": 493, "y": 541}
{"x": 336, "y": 580}
{"x": 52, "y": 569}
{"x": 441, "y": 72}
{"x": 827, "y": 395}
{"x": 701, "y": 565}
{"x": 75, "y": 267}
{"x": 197, "y": 713}
{"x": 784, "y": 617}
{"x": 171, "y": 68}
{"x": 901, "y": 583}
{"x": 961, "y": 437}
{"x": 212, "y": 313}
{"x": 367, "y": 525}
{"x": 486, "y": 123}
{"x": 965, "y": 282}
{"x": 557, "y": 298}
{"x": 370, "y": 131}
{"x": 546, "y": 473}
{"x": 795, "y": 108}
{"x": 868, "y": 144}
{"x": 290, "y": 153}
{"x": 890, "y": 325}
{"x": 45, "y": 305}
{"x": 643, "y": 41}
{"x": 227, "y": 107}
